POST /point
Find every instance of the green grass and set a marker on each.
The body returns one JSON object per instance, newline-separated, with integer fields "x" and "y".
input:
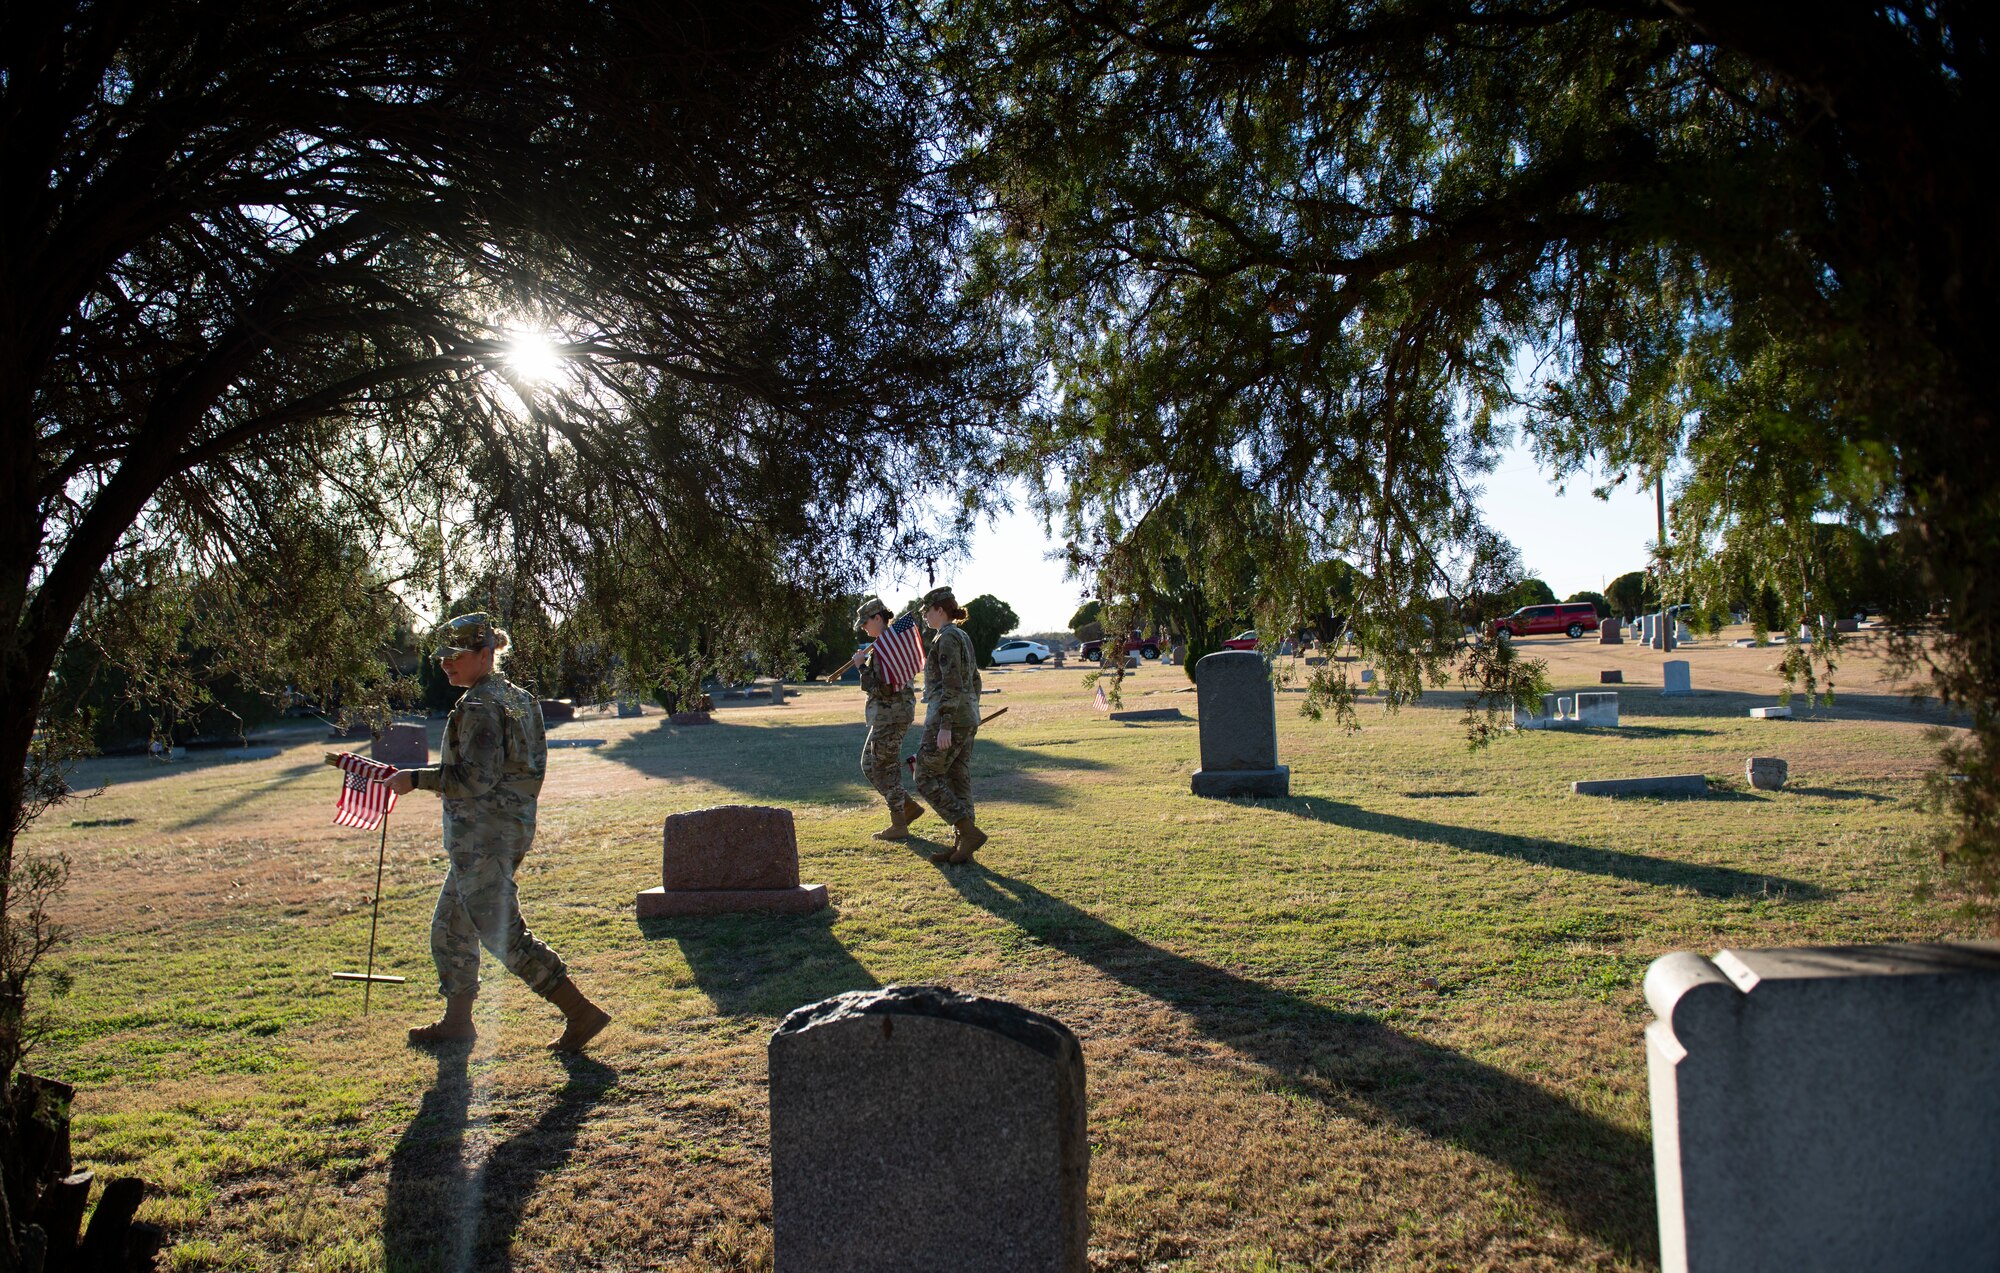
{"x": 1390, "y": 1023}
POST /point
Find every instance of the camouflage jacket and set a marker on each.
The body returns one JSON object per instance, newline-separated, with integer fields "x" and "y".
{"x": 491, "y": 766}
{"x": 951, "y": 677}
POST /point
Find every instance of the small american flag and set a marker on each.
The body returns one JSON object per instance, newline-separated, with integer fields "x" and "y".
{"x": 365, "y": 798}
{"x": 899, "y": 653}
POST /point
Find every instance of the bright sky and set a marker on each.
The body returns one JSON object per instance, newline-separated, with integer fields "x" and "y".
{"x": 1573, "y": 541}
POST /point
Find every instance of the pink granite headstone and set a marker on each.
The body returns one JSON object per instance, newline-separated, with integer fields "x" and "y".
{"x": 730, "y": 858}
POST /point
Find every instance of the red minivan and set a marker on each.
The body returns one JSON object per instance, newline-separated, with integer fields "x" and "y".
{"x": 1573, "y": 618}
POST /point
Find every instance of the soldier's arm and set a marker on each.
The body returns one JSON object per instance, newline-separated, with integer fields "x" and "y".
{"x": 870, "y": 678}
{"x": 479, "y": 757}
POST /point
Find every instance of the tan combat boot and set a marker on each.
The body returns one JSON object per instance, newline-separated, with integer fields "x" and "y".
{"x": 911, "y": 810}
{"x": 582, "y": 1019}
{"x": 970, "y": 837}
{"x": 899, "y": 824}
{"x": 456, "y": 1027}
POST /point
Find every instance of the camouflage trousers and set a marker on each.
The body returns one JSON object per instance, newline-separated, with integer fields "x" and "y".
{"x": 882, "y": 751}
{"x": 477, "y": 907}
{"x": 944, "y": 775}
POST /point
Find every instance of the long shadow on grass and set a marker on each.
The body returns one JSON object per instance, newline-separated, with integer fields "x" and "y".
{"x": 1709, "y": 881}
{"x": 763, "y": 964}
{"x": 1597, "y": 1175}
{"x": 822, "y": 763}
{"x": 437, "y": 1215}
{"x": 249, "y": 793}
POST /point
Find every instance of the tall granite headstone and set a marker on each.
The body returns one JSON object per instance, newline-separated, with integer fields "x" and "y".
{"x": 1239, "y": 728}
{"x": 730, "y": 858}
{"x": 1830, "y": 1108}
{"x": 1609, "y": 632}
{"x": 404, "y": 745}
{"x": 917, "y": 1129}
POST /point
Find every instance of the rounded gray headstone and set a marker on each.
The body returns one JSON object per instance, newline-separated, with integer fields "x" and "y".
{"x": 918, "y": 1128}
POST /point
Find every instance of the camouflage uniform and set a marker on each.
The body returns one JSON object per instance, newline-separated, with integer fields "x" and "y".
{"x": 951, "y": 697}
{"x": 489, "y": 773}
{"x": 891, "y": 711}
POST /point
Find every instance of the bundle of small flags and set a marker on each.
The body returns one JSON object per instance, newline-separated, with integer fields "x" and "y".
{"x": 365, "y": 797}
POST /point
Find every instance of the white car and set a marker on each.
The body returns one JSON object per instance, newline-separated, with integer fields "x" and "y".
{"x": 1022, "y": 652}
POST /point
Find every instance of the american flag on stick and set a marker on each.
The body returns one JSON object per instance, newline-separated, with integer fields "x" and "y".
{"x": 365, "y": 798}
{"x": 899, "y": 652}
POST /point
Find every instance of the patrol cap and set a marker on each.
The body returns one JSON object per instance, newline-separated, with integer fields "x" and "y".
{"x": 466, "y": 632}
{"x": 941, "y": 598}
{"x": 872, "y": 606}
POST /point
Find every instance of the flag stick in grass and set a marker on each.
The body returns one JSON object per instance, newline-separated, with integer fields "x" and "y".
{"x": 365, "y": 801}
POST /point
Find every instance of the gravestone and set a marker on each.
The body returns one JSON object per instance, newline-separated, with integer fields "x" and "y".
{"x": 1674, "y": 673}
{"x": 629, "y": 707}
{"x": 555, "y": 711}
{"x": 1563, "y": 705}
{"x": 1770, "y": 713}
{"x": 404, "y": 745}
{"x": 1150, "y": 713}
{"x": 690, "y": 718}
{"x": 252, "y": 753}
{"x": 1827, "y": 1108}
{"x": 1846, "y": 625}
{"x": 1766, "y": 773}
{"x": 915, "y": 1128}
{"x": 730, "y": 858}
{"x": 1239, "y": 728}
{"x": 778, "y": 690}
{"x": 1597, "y": 711}
{"x": 1648, "y": 626}
{"x": 1611, "y": 676}
{"x": 1668, "y": 785}
{"x": 1609, "y": 633}
{"x": 1367, "y": 676}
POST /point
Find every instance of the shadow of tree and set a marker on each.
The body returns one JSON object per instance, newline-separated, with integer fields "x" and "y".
{"x": 1595, "y": 1174}
{"x": 822, "y": 763}
{"x": 763, "y": 964}
{"x": 1709, "y": 881}
{"x": 437, "y": 1216}
{"x": 249, "y": 793}
{"x": 1838, "y": 793}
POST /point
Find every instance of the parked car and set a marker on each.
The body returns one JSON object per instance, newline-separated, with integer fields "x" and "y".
{"x": 1245, "y": 640}
{"x": 1021, "y": 652}
{"x": 1572, "y": 618}
{"x": 1147, "y": 647}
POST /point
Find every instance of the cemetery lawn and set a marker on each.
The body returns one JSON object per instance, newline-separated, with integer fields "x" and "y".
{"x": 1393, "y": 1022}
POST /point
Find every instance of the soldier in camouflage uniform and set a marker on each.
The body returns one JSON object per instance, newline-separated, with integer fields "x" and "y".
{"x": 951, "y": 719}
{"x": 490, "y": 776}
{"x": 891, "y": 710}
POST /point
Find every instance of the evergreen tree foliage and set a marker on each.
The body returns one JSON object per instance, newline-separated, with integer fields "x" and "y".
{"x": 1320, "y": 258}
{"x": 987, "y": 619}
{"x": 650, "y": 315}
